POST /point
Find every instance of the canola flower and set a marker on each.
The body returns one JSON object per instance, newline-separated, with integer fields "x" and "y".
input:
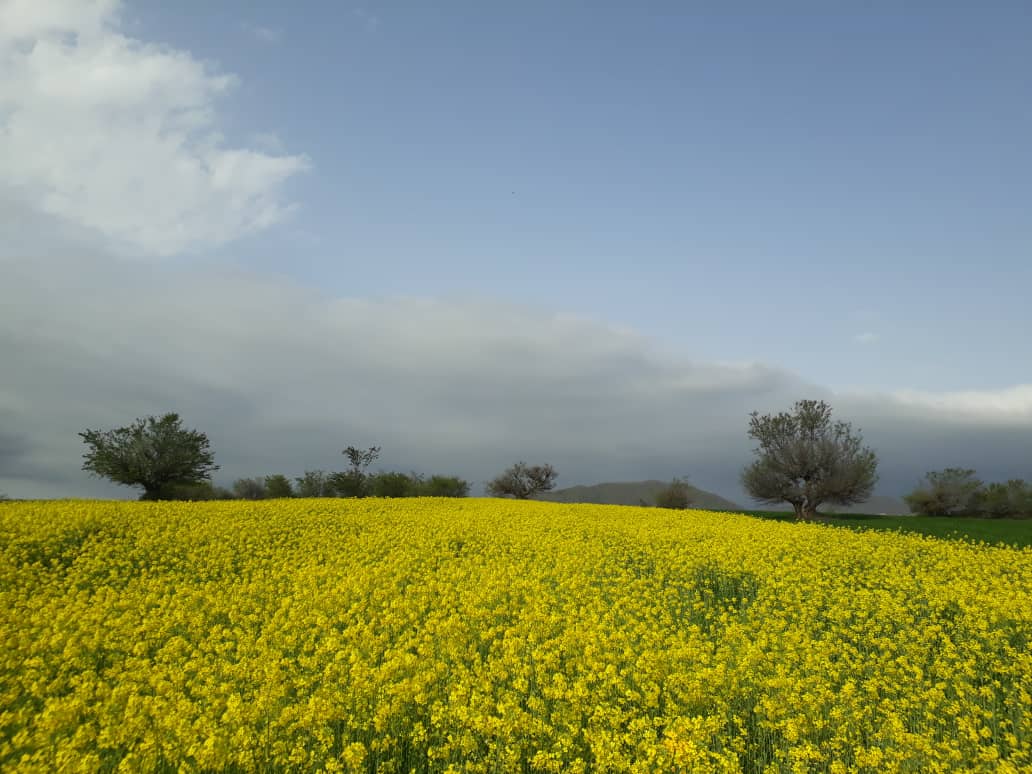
{"x": 438, "y": 635}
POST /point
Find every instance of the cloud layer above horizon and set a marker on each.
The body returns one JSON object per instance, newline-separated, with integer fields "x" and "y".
{"x": 115, "y": 145}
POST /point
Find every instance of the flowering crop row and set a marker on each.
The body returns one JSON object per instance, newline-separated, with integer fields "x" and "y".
{"x": 437, "y": 635}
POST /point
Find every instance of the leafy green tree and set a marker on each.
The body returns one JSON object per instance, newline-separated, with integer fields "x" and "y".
{"x": 806, "y": 459}
{"x": 314, "y": 483}
{"x": 676, "y": 495}
{"x": 250, "y": 489}
{"x": 444, "y": 486}
{"x": 949, "y": 492}
{"x": 277, "y": 486}
{"x": 523, "y": 481}
{"x": 157, "y": 454}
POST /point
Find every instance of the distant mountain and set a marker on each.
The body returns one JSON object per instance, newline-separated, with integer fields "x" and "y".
{"x": 634, "y": 493}
{"x": 879, "y": 504}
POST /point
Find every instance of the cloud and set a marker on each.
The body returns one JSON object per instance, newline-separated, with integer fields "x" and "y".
{"x": 283, "y": 377}
{"x": 121, "y": 137}
{"x": 866, "y": 338}
{"x": 1006, "y": 405}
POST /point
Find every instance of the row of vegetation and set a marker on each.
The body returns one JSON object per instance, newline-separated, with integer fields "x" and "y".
{"x": 807, "y": 460}
{"x": 959, "y": 492}
{"x": 170, "y": 462}
{"x": 803, "y": 458}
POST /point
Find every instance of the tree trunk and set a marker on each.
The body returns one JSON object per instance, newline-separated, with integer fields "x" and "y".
{"x": 810, "y": 509}
{"x": 798, "y": 508}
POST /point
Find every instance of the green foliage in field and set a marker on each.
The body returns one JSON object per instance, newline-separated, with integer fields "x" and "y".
{"x": 1017, "y": 532}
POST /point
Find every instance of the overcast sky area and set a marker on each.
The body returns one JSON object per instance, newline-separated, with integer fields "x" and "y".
{"x": 595, "y": 235}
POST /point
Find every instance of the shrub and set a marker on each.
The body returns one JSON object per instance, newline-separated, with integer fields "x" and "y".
{"x": 314, "y": 483}
{"x": 675, "y": 495}
{"x": 349, "y": 483}
{"x": 444, "y": 486}
{"x": 249, "y": 488}
{"x": 204, "y": 490}
{"x": 1005, "y": 501}
{"x": 277, "y": 486}
{"x": 393, "y": 485}
{"x": 950, "y": 492}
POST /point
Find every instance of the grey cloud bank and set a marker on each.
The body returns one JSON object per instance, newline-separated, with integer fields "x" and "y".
{"x": 282, "y": 378}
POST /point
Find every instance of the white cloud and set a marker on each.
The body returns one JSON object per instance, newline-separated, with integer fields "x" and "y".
{"x": 121, "y": 136}
{"x": 30, "y": 19}
{"x": 1008, "y": 405}
{"x": 866, "y": 338}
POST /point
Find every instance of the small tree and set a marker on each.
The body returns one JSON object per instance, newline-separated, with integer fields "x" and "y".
{"x": 354, "y": 482}
{"x": 157, "y": 454}
{"x": 314, "y": 483}
{"x": 523, "y": 481}
{"x": 676, "y": 495}
{"x": 250, "y": 488}
{"x": 277, "y": 486}
{"x": 805, "y": 459}
{"x": 949, "y": 492}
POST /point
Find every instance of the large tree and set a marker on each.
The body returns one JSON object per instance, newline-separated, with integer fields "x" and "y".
{"x": 523, "y": 481}
{"x": 806, "y": 459}
{"x": 158, "y": 454}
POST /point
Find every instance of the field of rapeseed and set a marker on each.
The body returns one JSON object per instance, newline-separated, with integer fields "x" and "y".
{"x": 496, "y": 636}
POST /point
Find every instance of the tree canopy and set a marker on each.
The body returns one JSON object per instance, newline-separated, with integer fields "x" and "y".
{"x": 523, "y": 481}
{"x": 806, "y": 459}
{"x": 156, "y": 453}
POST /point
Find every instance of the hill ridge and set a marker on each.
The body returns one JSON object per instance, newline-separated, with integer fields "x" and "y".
{"x": 634, "y": 493}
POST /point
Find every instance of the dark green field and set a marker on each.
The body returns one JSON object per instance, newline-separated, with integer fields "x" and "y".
{"x": 1017, "y": 532}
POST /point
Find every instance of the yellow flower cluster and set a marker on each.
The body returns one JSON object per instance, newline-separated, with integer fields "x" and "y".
{"x": 437, "y": 635}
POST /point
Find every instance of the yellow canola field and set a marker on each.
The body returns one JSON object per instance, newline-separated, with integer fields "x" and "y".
{"x": 439, "y": 635}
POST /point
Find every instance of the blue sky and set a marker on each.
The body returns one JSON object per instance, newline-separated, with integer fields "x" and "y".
{"x": 597, "y": 235}
{"x": 740, "y": 182}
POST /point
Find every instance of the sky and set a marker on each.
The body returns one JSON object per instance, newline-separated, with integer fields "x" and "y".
{"x": 593, "y": 234}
